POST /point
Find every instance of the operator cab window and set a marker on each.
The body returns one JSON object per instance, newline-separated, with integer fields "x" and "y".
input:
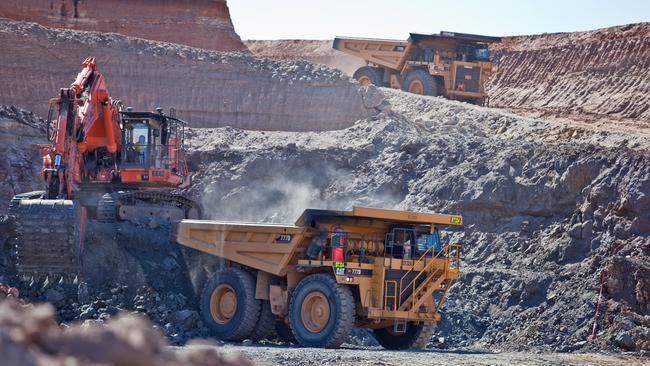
{"x": 136, "y": 140}
{"x": 482, "y": 53}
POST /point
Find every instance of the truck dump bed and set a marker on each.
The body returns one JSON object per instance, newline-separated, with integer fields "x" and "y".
{"x": 384, "y": 52}
{"x": 267, "y": 247}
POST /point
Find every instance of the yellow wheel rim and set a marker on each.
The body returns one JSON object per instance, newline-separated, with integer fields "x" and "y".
{"x": 223, "y": 303}
{"x": 315, "y": 312}
{"x": 416, "y": 87}
{"x": 364, "y": 80}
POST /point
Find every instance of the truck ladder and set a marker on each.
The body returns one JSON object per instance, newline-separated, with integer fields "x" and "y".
{"x": 434, "y": 278}
{"x": 390, "y": 293}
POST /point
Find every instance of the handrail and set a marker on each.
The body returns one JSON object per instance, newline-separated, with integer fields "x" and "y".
{"x": 423, "y": 256}
{"x": 447, "y": 268}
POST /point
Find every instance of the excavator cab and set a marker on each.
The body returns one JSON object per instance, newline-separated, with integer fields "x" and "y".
{"x": 152, "y": 149}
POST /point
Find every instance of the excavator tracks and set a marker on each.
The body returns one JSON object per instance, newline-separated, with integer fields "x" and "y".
{"x": 49, "y": 237}
{"x": 136, "y": 204}
{"x": 50, "y": 231}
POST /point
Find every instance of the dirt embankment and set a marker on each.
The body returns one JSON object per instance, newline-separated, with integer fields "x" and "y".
{"x": 319, "y": 52}
{"x": 601, "y": 77}
{"x": 207, "y": 88}
{"x": 203, "y": 23}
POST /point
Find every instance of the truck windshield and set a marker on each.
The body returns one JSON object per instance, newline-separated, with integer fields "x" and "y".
{"x": 482, "y": 54}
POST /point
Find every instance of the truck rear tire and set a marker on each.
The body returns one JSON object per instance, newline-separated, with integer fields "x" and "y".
{"x": 265, "y": 327}
{"x": 420, "y": 82}
{"x": 416, "y": 336}
{"x": 321, "y": 313}
{"x": 228, "y": 305}
{"x": 367, "y": 75}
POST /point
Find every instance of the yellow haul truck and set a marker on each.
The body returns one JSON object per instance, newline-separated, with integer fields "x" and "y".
{"x": 454, "y": 65}
{"x": 331, "y": 271}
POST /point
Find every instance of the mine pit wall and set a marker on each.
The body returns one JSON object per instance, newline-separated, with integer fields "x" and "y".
{"x": 602, "y": 73}
{"x": 21, "y": 160}
{"x": 316, "y": 51}
{"x": 197, "y": 23}
{"x": 222, "y": 90}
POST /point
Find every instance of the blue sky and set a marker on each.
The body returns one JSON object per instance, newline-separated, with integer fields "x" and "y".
{"x": 302, "y": 19}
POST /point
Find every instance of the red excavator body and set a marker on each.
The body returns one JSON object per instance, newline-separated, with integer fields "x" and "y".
{"x": 102, "y": 163}
{"x": 94, "y": 141}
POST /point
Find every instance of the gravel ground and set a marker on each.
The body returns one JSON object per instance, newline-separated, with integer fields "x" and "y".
{"x": 278, "y": 355}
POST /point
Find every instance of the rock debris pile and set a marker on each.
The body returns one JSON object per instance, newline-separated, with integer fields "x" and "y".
{"x": 29, "y": 335}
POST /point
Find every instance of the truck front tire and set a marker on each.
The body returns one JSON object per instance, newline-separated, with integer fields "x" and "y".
{"x": 416, "y": 336}
{"x": 228, "y": 305}
{"x": 420, "y": 82}
{"x": 321, "y": 313}
{"x": 367, "y": 75}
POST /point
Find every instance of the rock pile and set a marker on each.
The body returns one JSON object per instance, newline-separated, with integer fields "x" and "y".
{"x": 29, "y": 335}
{"x": 20, "y": 132}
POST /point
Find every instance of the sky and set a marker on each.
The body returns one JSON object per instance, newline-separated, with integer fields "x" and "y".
{"x": 304, "y": 19}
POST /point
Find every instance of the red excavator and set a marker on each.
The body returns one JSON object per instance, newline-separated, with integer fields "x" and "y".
{"x": 102, "y": 163}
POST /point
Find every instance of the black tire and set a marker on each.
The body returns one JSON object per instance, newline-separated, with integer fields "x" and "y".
{"x": 246, "y": 311}
{"x": 366, "y": 74}
{"x": 428, "y": 84}
{"x": 341, "y": 307}
{"x": 416, "y": 336}
{"x": 265, "y": 327}
{"x": 283, "y": 331}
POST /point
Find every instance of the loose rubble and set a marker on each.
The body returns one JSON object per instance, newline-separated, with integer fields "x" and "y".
{"x": 29, "y": 335}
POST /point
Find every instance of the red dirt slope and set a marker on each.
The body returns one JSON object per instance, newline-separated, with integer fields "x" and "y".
{"x": 600, "y": 76}
{"x": 197, "y": 23}
{"x": 320, "y": 52}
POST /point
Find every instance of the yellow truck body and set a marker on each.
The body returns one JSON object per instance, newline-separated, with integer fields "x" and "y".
{"x": 371, "y": 267}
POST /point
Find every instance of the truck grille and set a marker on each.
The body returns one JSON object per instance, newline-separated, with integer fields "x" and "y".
{"x": 467, "y": 78}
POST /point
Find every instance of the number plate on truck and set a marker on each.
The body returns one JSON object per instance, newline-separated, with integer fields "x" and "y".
{"x": 284, "y": 238}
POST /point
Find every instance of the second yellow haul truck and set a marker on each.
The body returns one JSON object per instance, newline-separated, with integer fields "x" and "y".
{"x": 450, "y": 64}
{"x": 331, "y": 271}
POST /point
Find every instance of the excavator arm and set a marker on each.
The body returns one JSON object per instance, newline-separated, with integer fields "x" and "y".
{"x": 87, "y": 121}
